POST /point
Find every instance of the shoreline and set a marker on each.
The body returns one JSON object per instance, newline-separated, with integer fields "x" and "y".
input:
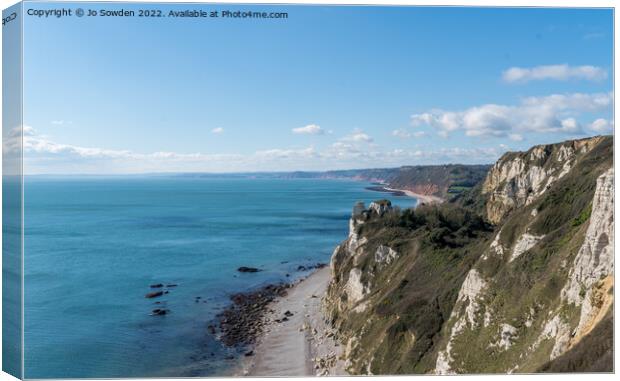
{"x": 423, "y": 199}
{"x": 293, "y": 338}
{"x": 296, "y": 341}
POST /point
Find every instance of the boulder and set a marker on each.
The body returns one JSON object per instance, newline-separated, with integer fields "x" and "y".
{"x": 244, "y": 269}
{"x": 159, "y": 311}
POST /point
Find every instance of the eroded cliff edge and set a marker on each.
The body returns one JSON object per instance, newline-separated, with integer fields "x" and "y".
{"x": 515, "y": 275}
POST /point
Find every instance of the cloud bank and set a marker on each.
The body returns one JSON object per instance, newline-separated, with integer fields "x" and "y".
{"x": 602, "y": 125}
{"x": 549, "y": 114}
{"x": 42, "y": 155}
{"x": 310, "y": 129}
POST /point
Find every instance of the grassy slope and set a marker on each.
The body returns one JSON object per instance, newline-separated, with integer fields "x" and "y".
{"x": 438, "y": 246}
{"x": 532, "y": 282}
{"x": 412, "y": 299}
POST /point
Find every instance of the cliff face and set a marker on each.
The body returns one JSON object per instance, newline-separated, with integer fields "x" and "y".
{"x": 518, "y": 179}
{"x": 523, "y": 283}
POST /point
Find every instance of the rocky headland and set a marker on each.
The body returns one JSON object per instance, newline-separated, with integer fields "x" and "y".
{"x": 513, "y": 275}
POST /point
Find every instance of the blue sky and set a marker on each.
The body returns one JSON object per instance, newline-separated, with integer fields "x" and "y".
{"x": 326, "y": 88}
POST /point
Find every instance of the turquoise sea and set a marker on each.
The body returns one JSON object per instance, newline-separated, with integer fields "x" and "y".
{"x": 93, "y": 246}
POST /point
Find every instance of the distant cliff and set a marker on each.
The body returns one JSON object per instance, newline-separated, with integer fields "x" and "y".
{"x": 432, "y": 180}
{"x": 513, "y": 275}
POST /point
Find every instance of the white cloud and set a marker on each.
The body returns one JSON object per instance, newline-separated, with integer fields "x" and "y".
{"x": 575, "y": 101}
{"x": 43, "y": 155}
{"x": 403, "y": 134}
{"x": 310, "y": 129}
{"x": 344, "y": 149}
{"x": 217, "y": 130}
{"x": 287, "y": 153}
{"x": 570, "y": 125}
{"x": 555, "y": 113}
{"x": 554, "y": 72}
{"x": 454, "y": 155}
{"x": 358, "y": 136}
{"x": 33, "y": 143}
{"x": 373, "y": 158}
{"x": 601, "y": 125}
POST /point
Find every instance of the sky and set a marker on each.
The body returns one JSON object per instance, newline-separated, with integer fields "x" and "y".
{"x": 326, "y": 88}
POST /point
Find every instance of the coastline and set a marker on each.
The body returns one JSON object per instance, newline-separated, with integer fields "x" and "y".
{"x": 423, "y": 199}
{"x": 289, "y": 335}
{"x": 282, "y": 326}
{"x": 296, "y": 341}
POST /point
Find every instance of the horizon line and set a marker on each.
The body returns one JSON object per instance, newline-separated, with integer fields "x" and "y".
{"x": 250, "y": 172}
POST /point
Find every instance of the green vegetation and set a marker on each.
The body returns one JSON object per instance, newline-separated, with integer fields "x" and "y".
{"x": 411, "y": 302}
{"x": 439, "y": 244}
{"x": 583, "y": 216}
{"x": 455, "y": 189}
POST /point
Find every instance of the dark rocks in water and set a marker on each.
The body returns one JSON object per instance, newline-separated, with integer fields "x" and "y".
{"x": 250, "y": 353}
{"x": 165, "y": 292}
{"x": 154, "y": 294}
{"x": 171, "y": 285}
{"x": 158, "y": 285}
{"x": 284, "y": 319}
{"x": 159, "y": 311}
{"x": 243, "y": 321}
{"x": 244, "y": 269}
{"x": 211, "y": 328}
{"x": 311, "y": 267}
{"x": 288, "y": 313}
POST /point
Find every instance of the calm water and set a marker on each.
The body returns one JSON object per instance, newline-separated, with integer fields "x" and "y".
{"x": 93, "y": 247}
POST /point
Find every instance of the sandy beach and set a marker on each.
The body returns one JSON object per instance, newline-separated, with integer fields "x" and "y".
{"x": 425, "y": 199}
{"x": 296, "y": 341}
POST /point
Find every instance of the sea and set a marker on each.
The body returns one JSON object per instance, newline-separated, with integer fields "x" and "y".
{"x": 95, "y": 245}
